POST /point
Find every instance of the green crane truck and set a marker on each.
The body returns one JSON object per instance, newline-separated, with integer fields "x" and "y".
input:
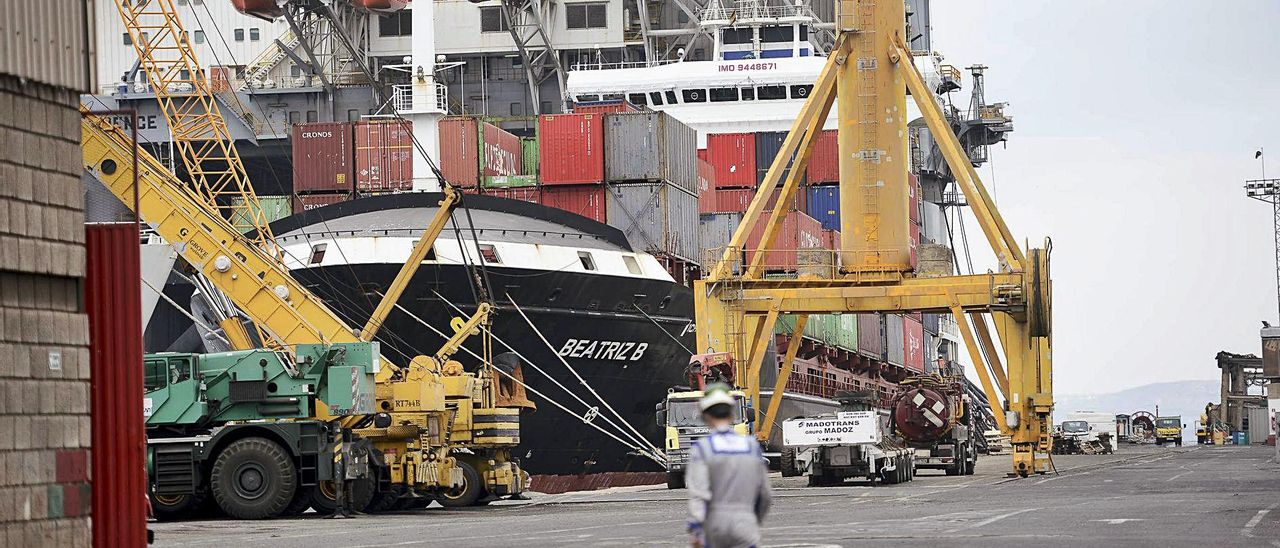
{"x": 234, "y": 428}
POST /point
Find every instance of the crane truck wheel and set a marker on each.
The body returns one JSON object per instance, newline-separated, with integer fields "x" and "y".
{"x": 787, "y": 463}
{"x": 324, "y": 495}
{"x": 468, "y": 493}
{"x": 176, "y": 507}
{"x": 253, "y": 478}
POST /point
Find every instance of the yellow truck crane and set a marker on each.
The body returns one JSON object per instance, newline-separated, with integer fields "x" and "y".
{"x": 441, "y": 432}
{"x": 871, "y": 70}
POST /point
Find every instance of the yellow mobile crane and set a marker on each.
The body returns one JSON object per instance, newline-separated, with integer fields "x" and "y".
{"x": 441, "y": 430}
{"x": 870, "y": 69}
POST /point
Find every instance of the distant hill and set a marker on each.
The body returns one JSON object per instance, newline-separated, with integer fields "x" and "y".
{"x": 1186, "y": 398}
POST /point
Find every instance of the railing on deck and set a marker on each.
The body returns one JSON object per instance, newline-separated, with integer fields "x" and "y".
{"x": 817, "y": 384}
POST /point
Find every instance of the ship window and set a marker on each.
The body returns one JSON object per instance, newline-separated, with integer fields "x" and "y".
{"x": 671, "y": 97}
{"x": 720, "y": 95}
{"x": 656, "y": 97}
{"x": 695, "y": 95}
{"x": 611, "y": 97}
{"x": 804, "y": 33}
{"x": 588, "y": 262}
{"x": 775, "y": 34}
{"x": 766, "y": 93}
{"x": 199, "y": 37}
{"x": 737, "y": 36}
{"x": 587, "y": 98}
{"x": 800, "y": 92}
{"x": 399, "y": 23}
{"x": 317, "y": 253}
{"x": 128, "y": 40}
{"x": 586, "y": 16}
{"x": 489, "y": 254}
{"x": 632, "y": 265}
{"x": 748, "y": 94}
{"x": 239, "y": 35}
{"x": 493, "y": 20}
{"x": 255, "y": 34}
{"x": 636, "y": 99}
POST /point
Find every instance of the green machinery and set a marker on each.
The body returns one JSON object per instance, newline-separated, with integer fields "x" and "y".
{"x": 234, "y": 428}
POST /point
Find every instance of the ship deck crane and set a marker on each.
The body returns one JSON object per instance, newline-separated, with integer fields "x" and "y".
{"x": 870, "y": 69}
{"x": 430, "y": 407}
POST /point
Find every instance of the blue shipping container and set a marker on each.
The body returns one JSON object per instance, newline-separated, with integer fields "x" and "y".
{"x": 824, "y": 205}
{"x": 768, "y": 144}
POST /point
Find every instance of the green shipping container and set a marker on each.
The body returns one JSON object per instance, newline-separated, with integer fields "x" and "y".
{"x": 529, "y": 149}
{"x": 837, "y": 330}
{"x": 273, "y": 207}
{"x": 509, "y": 181}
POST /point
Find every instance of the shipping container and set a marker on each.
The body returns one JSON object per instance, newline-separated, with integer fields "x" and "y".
{"x": 586, "y": 200}
{"x": 824, "y": 162}
{"x": 702, "y": 154}
{"x": 768, "y": 144}
{"x": 655, "y": 217}
{"x": 531, "y": 194}
{"x": 117, "y": 468}
{"x": 529, "y": 152}
{"x": 823, "y": 328}
{"x": 799, "y": 201}
{"x": 824, "y": 205}
{"x": 220, "y": 78}
{"x": 913, "y": 344}
{"x": 604, "y": 107}
{"x": 733, "y": 155}
{"x": 706, "y": 187}
{"x": 308, "y": 202}
{"x": 831, "y": 239}
{"x": 931, "y": 322}
{"x": 1259, "y": 426}
{"x": 933, "y": 224}
{"x": 384, "y": 155}
{"x": 930, "y": 352}
{"x": 847, "y": 332}
{"x": 895, "y": 345}
{"x": 571, "y": 149}
{"x": 732, "y": 199}
{"x": 714, "y": 232}
{"x": 799, "y": 231}
{"x": 871, "y": 335}
{"x": 650, "y": 146}
{"x": 473, "y": 152}
{"x": 323, "y": 157}
{"x": 273, "y": 209}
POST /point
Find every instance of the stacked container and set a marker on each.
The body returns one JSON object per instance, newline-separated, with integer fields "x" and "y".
{"x": 384, "y": 156}
{"x": 871, "y": 335}
{"x": 768, "y": 145}
{"x": 799, "y": 231}
{"x": 531, "y": 194}
{"x": 650, "y": 147}
{"x": 733, "y": 155}
{"x": 913, "y": 343}
{"x": 322, "y": 158}
{"x": 706, "y": 187}
{"x": 308, "y": 202}
{"x": 658, "y": 217}
{"x": 824, "y": 162}
{"x": 571, "y": 149}
{"x": 273, "y": 208}
{"x": 474, "y": 152}
{"x": 824, "y": 205}
{"x": 895, "y": 345}
{"x": 586, "y": 200}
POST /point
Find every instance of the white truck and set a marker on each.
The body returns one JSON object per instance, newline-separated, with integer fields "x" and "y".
{"x": 1089, "y": 432}
{"x": 833, "y": 447}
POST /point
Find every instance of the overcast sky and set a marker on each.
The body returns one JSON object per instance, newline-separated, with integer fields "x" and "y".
{"x": 1135, "y": 126}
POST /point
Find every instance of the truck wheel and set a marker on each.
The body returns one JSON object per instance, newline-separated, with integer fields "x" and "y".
{"x": 468, "y": 493}
{"x": 383, "y": 501}
{"x": 675, "y": 480}
{"x": 787, "y": 462}
{"x": 253, "y": 478}
{"x": 324, "y": 496}
{"x": 176, "y": 507}
{"x": 301, "y": 501}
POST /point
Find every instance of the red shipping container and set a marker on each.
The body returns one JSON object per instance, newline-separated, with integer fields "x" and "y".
{"x": 571, "y": 151}
{"x": 831, "y": 239}
{"x": 470, "y": 149}
{"x": 322, "y": 157}
{"x": 308, "y": 202}
{"x": 733, "y": 155}
{"x": 913, "y": 343}
{"x": 870, "y": 336}
{"x": 798, "y": 231}
{"x": 113, "y": 302}
{"x": 605, "y": 107}
{"x": 706, "y": 187}
{"x": 799, "y": 202}
{"x": 384, "y": 155}
{"x": 220, "y": 79}
{"x": 732, "y": 200}
{"x": 702, "y": 154}
{"x": 913, "y": 186}
{"x": 585, "y": 200}
{"x": 824, "y": 163}
{"x": 525, "y": 194}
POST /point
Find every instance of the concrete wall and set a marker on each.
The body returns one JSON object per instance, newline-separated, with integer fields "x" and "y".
{"x": 44, "y": 372}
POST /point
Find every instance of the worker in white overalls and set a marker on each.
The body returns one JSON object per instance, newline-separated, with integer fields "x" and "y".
{"x": 728, "y": 479}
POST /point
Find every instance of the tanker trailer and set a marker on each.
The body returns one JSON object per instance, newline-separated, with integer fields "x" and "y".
{"x": 931, "y": 414}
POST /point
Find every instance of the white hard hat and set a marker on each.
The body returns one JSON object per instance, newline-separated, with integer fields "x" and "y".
{"x": 715, "y": 395}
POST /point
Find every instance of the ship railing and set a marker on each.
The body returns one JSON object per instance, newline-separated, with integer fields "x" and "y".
{"x": 621, "y": 64}
{"x": 414, "y": 232}
{"x": 822, "y": 386}
{"x": 717, "y": 14}
{"x": 402, "y": 98}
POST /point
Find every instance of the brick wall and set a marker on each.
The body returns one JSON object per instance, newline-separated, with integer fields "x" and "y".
{"x": 44, "y": 357}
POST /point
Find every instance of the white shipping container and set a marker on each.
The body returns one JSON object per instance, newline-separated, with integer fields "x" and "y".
{"x": 650, "y": 146}
{"x": 714, "y": 232}
{"x": 895, "y": 347}
{"x": 656, "y": 217}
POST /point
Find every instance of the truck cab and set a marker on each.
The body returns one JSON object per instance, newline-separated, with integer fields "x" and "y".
{"x": 1169, "y": 429}
{"x": 681, "y": 421}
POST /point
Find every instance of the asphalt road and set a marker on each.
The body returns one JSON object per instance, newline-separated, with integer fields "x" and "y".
{"x": 1141, "y": 496}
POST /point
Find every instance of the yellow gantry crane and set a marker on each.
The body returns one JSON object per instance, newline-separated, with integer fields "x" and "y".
{"x": 870, "y": 70}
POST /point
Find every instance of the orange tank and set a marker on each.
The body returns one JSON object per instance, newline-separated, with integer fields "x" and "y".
{"x": 262, "y": 9}
{"x": 381, "y": 5}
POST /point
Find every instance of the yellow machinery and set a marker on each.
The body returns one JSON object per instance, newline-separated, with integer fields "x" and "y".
{"x": 870, "y": 69}
{"x": 440, "y": 429}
